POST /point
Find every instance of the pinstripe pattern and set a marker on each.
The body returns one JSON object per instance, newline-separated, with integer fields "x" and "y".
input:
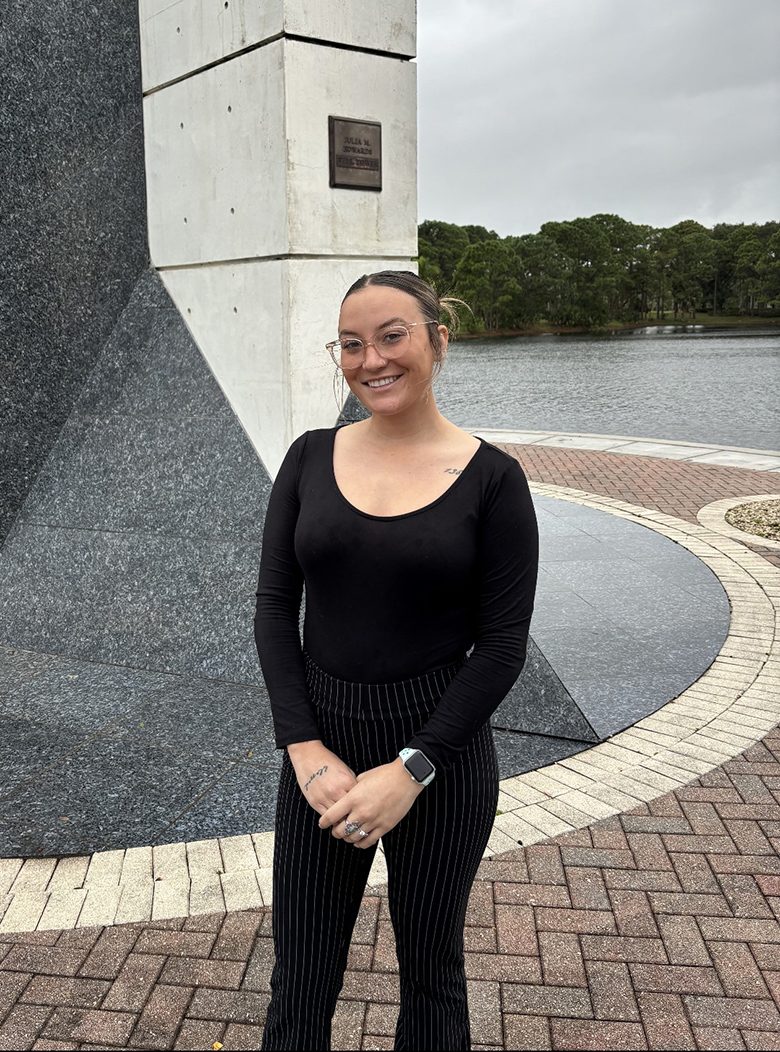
{"x": 432, "y": 858}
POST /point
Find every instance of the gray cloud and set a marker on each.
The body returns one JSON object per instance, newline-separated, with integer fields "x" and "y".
{"x": 531, "y": 110}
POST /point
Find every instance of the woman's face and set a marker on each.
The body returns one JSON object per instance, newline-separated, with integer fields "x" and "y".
{"x": 366, "y": 313}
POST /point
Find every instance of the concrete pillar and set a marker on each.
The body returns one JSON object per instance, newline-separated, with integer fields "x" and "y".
{"x": 251, "y": 241}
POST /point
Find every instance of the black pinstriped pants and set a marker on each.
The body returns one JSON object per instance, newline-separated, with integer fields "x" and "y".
{"x": 432, "y": 857}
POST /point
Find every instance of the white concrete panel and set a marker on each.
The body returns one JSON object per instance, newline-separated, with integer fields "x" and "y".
{"x": 316, "y": 289}
{"x": 180, "y": 37}
{"x": 733, "y": 459}
{"x": 237, "y": 314}
{"x": 216, "y": 163}
{"x": 381, "y": 25}
{"x": 329, "y": 81}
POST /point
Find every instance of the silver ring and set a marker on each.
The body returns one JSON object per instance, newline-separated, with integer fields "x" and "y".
{"x": 351, "y": 827}
{"x": 362, "y": 832}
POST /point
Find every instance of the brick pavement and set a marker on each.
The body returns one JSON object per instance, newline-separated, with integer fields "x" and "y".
{"x": 657, "y": 928}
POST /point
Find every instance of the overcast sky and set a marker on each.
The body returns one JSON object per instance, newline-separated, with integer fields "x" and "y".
{"x": 658, "y": 110}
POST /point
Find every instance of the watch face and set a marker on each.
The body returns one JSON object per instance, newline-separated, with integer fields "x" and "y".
{"x": 419, "y": 766}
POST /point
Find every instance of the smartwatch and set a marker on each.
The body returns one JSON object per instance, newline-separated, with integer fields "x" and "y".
{"x": 418, "y": 765}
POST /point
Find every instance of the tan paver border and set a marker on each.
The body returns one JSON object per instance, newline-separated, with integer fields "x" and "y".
{"x": 732, "y": 705}
{"x": 713, "y": 516}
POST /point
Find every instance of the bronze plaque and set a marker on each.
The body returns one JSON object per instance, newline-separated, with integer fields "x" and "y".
{"x": 355, "y": 154}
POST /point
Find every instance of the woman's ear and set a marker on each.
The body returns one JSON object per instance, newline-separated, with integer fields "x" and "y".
{"x": 444, "y": 336}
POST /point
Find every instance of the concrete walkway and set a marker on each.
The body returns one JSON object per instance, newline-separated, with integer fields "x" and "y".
{"x": 694, "y": 452}
{"x": 655, "y": 927}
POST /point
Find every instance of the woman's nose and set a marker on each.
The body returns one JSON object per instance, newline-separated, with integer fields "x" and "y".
{"x": 373, "y": 359}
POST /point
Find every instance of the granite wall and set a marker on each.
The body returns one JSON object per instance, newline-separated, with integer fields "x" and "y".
{"x": 72, "y": 213}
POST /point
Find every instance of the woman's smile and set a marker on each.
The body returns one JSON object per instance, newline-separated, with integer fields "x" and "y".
{"x": 382, "y": 381}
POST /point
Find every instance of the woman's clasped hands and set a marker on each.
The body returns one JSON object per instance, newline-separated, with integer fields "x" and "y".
{"x": 378, "y": 801}
{"x": 374, "y": 801}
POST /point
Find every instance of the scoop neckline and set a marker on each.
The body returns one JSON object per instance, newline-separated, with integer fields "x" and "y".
{"x": 403, "y": 514}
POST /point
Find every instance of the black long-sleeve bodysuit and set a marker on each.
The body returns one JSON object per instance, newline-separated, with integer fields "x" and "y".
{"x": 389, "y": 597}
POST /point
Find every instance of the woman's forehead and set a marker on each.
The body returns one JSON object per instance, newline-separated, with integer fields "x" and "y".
{"x": 376, "y": 304}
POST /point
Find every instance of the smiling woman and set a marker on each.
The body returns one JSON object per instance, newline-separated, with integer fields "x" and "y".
{"x": 417, "y": 543}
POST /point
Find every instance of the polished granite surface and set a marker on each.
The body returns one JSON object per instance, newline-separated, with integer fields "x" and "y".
{"x": 72, "y": 215}
{"x": 133, "y": 709}
{"x": 99, "y": 755}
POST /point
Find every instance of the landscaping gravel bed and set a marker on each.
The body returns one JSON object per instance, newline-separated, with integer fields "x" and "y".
{"x": 762, "y": 517}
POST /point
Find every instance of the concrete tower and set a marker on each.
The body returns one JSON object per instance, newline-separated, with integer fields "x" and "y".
{"x": 263, "y": 206}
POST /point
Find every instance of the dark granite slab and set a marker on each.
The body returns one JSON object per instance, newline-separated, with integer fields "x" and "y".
{"x": 242, "y": 801}
{"x": 75, "y": 87}
{"x": 144, "y": 527}
{"x": 142, "y": 785}
{"x": 540, "y": 704}
{"x": 627, "y": 618}
{"x": 100, "y": 756}
{"x": 152, "y": 445}
{"x": 64, "y": 705}
{"x": 97, "y": 756}
{"x": 151, "y": 474}
{"x": 352, "y": 411}
{"x": 518, "y": 753}
{"x": 72, "y": 214}
{"x": 70, "y": 267}
{"x": 148, "y": 600}
{"x": 614, "y": 703}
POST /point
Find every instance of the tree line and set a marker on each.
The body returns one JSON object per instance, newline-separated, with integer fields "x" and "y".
{"x": 592, "y": 271}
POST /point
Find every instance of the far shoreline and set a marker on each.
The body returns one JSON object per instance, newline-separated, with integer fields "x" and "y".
{"x": 707, "y": 321}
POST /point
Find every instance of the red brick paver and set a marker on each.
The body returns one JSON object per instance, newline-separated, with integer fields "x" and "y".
{"x": 658, "y": 928}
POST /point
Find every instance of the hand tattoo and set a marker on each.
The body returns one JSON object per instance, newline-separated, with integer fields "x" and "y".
{"x": 453, "y": 471}
{"x": 322, "y": 770}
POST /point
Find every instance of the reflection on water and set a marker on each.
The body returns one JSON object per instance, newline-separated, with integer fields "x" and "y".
{"x": 697, "y": 386}
{"x": 664, "y": 330}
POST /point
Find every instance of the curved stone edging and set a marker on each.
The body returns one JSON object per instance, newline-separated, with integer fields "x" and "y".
{"x": 731, "y": 706}
{"x": 713, "y": 516}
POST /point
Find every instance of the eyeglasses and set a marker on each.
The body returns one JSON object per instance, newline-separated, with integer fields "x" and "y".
{"x": 390, "y": 342}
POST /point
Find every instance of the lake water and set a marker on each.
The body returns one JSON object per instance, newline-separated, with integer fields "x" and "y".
{"x": 716, "y": 387}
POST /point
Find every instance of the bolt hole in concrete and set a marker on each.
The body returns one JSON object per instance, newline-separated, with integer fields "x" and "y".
{"x": 761, "y": 518}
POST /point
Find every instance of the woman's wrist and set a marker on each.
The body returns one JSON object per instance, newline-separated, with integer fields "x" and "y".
{"x": 301, "y": 748}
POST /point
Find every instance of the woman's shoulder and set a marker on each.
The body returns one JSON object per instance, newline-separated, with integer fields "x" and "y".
{"x": 501, "y": 475}
{"x": 497, "y": 459}
{"x": 305, "y": 451}
{"x": 310, "y": 441}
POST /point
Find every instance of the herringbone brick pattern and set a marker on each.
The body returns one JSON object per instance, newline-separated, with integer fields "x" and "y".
{"x": 677, "y": 487}
{"x": 655, "y": 929}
